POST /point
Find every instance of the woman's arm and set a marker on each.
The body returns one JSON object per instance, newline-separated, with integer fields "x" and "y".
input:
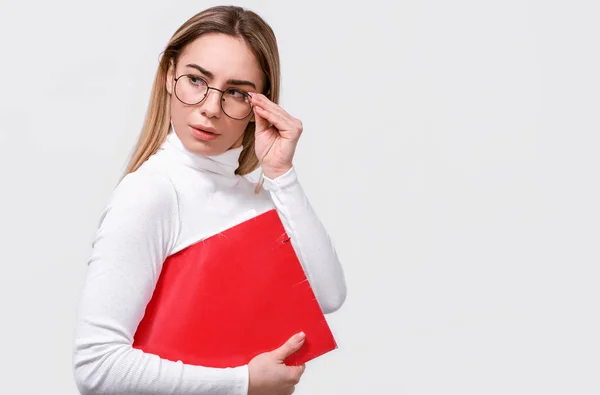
{"x": 137, "y": 230}
{"x": 309, "y": 239}
{"x": 277, "y": 134}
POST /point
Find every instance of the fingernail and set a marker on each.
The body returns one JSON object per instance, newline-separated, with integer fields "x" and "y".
{"x": 300, "y": 336}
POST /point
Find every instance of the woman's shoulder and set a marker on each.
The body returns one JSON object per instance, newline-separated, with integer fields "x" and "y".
{"x": 142, "y": 206}
{"x": 147, "y": 188}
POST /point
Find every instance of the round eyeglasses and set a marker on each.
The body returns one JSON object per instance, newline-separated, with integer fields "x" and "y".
{"x": 192, "y": 89}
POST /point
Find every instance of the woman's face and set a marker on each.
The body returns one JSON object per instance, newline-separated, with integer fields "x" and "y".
{"x": 223, "y": 62}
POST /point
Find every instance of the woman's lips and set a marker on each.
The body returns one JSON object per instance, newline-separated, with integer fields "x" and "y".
{"x": 203, "y": 134}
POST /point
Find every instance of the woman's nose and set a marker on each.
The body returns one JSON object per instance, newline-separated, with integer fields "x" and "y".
{"x": 211, "y": 105}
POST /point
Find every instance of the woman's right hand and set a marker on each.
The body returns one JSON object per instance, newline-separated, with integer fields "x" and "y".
{"x": 270, "y": 376}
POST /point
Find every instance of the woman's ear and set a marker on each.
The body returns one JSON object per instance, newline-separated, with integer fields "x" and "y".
{"x": 169, "y": 81}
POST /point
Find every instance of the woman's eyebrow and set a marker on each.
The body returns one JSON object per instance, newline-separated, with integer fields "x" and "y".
{"x": 211, "y": 75}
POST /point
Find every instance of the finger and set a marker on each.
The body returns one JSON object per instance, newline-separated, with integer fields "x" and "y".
{"x": 285, "y": 121}
{"x": 296, "y": 372}
{"x": 264, "y": 102}
{"x": 261, "y": 123}
{"x": 275, "y": 119}
{"x": 292, "y": 345}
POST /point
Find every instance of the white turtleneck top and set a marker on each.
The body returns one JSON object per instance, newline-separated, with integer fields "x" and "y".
{"x": 175, "y": 199}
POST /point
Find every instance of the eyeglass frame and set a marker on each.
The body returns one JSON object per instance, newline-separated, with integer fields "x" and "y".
{"x": 208, "y": 87}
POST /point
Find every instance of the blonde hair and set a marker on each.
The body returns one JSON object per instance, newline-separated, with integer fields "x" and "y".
{"x": 231, "y": 20}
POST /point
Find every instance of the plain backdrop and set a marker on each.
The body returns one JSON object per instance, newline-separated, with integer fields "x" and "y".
{"x": 450, "y": 148}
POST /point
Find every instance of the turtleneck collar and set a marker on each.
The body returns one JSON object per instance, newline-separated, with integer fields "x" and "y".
{"x": 224, "y": 164}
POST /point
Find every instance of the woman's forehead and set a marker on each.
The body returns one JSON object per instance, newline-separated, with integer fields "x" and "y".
{"x": 225, "y": 57}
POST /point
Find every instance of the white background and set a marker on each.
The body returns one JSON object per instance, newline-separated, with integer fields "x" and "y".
{"x": 450, "y": 147}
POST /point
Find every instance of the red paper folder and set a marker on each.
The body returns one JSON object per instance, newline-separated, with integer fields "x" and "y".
{"x": 225, "y": 299}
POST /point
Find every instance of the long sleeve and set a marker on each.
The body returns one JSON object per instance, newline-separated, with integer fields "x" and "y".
{"x": 137, "y": 230}
{"x": 310, "y": 240}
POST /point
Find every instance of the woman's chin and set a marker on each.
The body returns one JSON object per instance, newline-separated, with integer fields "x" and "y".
{"x": 201, "y": 148}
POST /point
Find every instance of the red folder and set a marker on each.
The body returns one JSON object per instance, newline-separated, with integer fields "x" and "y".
{"x": 225, "y": 299}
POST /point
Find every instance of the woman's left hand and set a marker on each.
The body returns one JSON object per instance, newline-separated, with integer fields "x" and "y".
{"x": 276, "y": 136}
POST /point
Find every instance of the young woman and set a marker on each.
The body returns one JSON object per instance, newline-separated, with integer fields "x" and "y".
{"x": 213, "y": 118}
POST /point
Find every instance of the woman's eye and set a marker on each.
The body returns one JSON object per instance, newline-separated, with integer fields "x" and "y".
{"x": 237, "y": 94}
{"x": 197, "y": 81}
